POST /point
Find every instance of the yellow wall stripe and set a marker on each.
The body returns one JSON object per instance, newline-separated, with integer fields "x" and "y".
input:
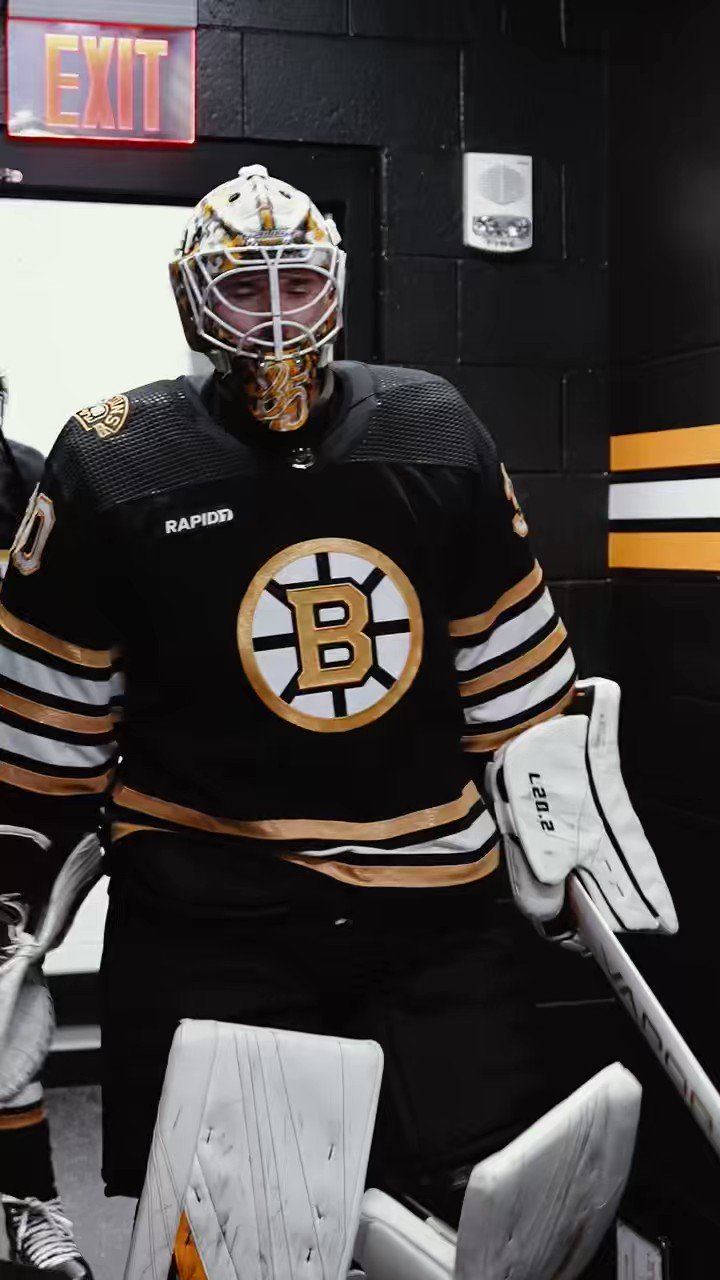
{"x": 665, "y": 551}
{"x": 679, "y": 447}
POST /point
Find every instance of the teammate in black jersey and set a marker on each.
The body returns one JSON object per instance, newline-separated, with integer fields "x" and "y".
{"x": 38, "y": 1230}
{"x": 276, "y": 622}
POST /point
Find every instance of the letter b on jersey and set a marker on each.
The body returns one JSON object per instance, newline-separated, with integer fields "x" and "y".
{"x": 331, "y": 652}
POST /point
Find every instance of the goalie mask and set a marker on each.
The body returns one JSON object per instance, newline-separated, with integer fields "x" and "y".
{"x": 259, "y": 282}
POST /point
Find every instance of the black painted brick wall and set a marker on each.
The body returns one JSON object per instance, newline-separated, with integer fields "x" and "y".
{"x": 664, "y": 121}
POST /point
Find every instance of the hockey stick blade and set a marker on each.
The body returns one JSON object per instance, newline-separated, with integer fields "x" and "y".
{"x": 674, "y": 1054}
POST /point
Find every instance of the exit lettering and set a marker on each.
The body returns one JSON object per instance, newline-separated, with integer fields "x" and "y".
{"x": 109, "y": 99}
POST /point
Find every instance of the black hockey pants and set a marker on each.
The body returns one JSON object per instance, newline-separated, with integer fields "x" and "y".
{"x": 432, "y": 975}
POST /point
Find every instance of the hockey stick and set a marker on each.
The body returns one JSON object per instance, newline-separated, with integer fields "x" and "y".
{"x": 672, "y": 1051}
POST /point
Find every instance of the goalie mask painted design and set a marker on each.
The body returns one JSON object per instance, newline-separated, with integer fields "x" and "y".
{"x": 259, "y": 281}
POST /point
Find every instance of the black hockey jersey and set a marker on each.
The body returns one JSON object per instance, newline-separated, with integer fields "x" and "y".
{"x": 18, "y": 476}
{"x": 218, "y": 638}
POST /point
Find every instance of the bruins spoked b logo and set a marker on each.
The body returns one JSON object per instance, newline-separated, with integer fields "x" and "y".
{"x": 330, "y": 634}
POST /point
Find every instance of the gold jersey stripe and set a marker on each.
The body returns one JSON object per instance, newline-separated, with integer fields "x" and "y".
{"x": 679, "y": 550}
{"x": 402, "y": 877}
{"x": 119, "y": 830}
{"x": 23, "y": 1119}
{"x": 43, "y": 783}
{"x": 71, "y": 720}
{"x": 519, "y": 667}
{"x": 301, "y": 828}
{"x": 489, "y": 741}
{"x": 98, "y": 658}
{"x": 483, "y": 621}
{"x": 679, "y": 447}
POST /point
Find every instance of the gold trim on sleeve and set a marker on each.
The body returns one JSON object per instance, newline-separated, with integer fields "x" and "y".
{"x": 301, "y": 828}
{"x": 23, "y": 1119}
{"x": 70, "y": 720}
{"x": 402, "y": 877}
{"x": 489, "y": 741}
{"x": 519, "y": 667}
{"x": 42, "y": 782}
{"x": 483, "y": 621}
{"x": 98, "y": 658}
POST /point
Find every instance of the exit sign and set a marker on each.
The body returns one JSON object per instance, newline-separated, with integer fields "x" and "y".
{"x": 97, "y": 82}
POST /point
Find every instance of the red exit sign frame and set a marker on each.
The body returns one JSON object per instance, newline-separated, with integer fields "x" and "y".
{"x": 100, "y": 82}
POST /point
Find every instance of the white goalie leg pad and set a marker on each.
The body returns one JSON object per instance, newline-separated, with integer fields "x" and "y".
{"x": 393, "y": 1243}
{"x": 29, "y": 1033}
{"x": 563, "y": 806}
{"x": 26, "y": 1011}
{"x": 537, "y": 1210}
{"x": 261, "y": 1143}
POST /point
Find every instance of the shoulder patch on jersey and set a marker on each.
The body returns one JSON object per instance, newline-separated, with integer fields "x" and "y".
{"x": 106, "y": 417}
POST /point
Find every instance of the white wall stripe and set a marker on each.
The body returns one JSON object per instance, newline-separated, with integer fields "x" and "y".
{"x": 59, "y": 684}
{"x": 53, "y": 751}
{"x": 524, "y": 698}
{"x": 665, "y": 500}
{"x": 507, "y": 635}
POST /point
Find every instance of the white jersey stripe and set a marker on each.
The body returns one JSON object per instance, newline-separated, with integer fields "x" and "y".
{"x": 508, "y": 635}
{"x": 71, "y": 755}
{"x": 526, "y": 697}
{"x": 59, "y": 684}
{"x": 466, "y": 840}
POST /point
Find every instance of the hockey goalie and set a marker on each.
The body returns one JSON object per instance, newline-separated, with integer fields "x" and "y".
{"x": 274, "y": 624}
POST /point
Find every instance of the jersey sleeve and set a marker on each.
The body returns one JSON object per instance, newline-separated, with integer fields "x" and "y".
{"x": 61, "y": 682}
{"x": 512, "y": 655}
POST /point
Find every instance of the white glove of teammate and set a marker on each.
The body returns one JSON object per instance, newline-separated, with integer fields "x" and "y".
{"x": 26, "y": 1011}
{"x": 561, "y": 805}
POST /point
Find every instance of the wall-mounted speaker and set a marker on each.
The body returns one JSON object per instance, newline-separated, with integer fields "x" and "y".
{"x": 497, "y": 202}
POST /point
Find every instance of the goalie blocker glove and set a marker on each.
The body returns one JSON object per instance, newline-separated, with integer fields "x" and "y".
{"x": 562, "y": 806}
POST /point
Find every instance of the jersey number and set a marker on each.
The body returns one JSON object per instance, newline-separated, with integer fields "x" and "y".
{"x": 35, "y": 529}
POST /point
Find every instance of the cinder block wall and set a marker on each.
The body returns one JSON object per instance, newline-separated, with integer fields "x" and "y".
{"x": 665, "y": 347}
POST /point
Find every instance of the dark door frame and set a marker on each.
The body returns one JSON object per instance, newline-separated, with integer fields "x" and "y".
{"x": 341, "y": 180}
